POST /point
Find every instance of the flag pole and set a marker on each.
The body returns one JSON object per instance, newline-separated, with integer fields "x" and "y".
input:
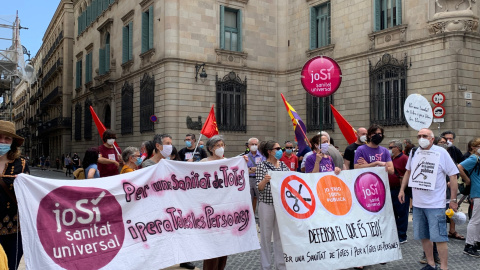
{"x": 198, "y": 141}
{"x": 308, "y": 141}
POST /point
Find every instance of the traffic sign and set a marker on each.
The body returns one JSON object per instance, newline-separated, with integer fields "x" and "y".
{"x": 297, "y": 197}
{"x": 438, "y": 111}
{"x": 438, "y": 98}
{"x": 321, "y": 76}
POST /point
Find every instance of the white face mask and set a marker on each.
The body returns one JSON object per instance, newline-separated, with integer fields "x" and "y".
{"x": 363, "y": 138}
{"x": 424, "y": 143}
{"x": 390, "y": 151}
{"x": 219, "y": 152}
{"x": 167, "y": 150}
{"x": 449, "y": 144}
{"x": 254, "y": 148}
{"x": 478, "y": 151}
{"x": 111, "y": 141}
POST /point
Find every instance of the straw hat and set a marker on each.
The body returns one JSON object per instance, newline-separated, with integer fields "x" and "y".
{"x": 8, "y": 128}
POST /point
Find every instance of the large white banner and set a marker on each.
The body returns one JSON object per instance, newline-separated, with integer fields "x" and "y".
{"x": 330, "y": 221}
{"x": 149, "y": 219}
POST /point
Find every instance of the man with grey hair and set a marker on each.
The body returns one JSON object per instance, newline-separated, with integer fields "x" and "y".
{"x": 254, "y": 158}
{"x": 429, "y": 219}
{"x": 400, "y": 210}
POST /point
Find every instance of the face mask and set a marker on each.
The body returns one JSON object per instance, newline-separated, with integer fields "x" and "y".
{"x": 201, "y": 146}
{"x": 377, "y": 139}
{"x": 289, "y": 151}
{"x": 254, "y": 148}
{"x": 390, "y": 151}
{"x": 449, "y": 144}
{"x": 278, "y": 154}
{"x": 445, "y": 146}
{"x": 111, "y": 141}
{"x": 139, "y": 161}
{"x": 363, "y": 138}
{"x": 188, "y": 143}
{"x": 167, "y": 150}
{"x": 424, "y": 143}
{"x": 478, "y": 151}
{"x": 4, "y": 148}
{"x": 219, "y": 152}
{"x": 324, "y": 148}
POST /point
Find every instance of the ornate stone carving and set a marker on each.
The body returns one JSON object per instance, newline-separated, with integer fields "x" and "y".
{"x": 194, "y": 125}
{"x": 231, "y": 57}
{"x": 325, "y": 50}
{"x": 388, "y": 37}
{"x": 453, "y": 16}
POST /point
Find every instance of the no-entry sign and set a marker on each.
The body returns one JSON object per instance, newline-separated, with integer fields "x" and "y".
{"x": 321, "y": 76}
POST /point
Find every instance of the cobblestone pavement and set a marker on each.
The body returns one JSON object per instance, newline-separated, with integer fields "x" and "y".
{"x": 411, "y": 251}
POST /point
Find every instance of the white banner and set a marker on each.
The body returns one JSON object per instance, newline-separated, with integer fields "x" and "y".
{"x": 149, "y": 219}
{"x": 332, "y": 221}
{"x": 424, "y": 169}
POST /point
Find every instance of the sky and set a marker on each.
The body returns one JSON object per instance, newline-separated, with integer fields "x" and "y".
{"x": 33, "y": 14}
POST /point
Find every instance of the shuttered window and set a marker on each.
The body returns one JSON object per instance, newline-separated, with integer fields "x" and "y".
{"x": 320, "y": 27}
{"x": 230, "y": 29}
{"x": 127, "y": 42}
{"x": 147, "y": 29}
{"x": 88, "y": 68}
{"x": 388, "y": 13}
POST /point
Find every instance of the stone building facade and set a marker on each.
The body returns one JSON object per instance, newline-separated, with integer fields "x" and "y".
{"x": 137, "y": 59}
{"x": 46, "y": 115}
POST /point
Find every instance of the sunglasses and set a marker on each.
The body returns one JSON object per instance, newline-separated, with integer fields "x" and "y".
{"x": 277, "y": 148}
{"x": 288, "y": 147}
{"x": 391, "y": 147}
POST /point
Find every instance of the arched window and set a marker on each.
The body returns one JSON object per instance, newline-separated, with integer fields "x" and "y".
{"x": 78, "y": 122}
{"x": 127, "y": 108}
{"x": 231, "y": 103}
{"x": 147, "y": 102}
{"x": 87, "y": 121}
{"x": 388, "y": 91}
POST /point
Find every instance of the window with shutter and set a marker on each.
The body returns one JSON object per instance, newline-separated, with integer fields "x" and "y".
{"x": 320, "y": 26}
{"x": 388, "y": 13}
{"x": 147, "y": 29}
{"x": 230, "y": 29}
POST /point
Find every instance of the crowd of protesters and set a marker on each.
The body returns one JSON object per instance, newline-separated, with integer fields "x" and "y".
{"x": 428, "y": 207}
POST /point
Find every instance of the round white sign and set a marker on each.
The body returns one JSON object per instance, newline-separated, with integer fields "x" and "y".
{"x": 418, "y": 112}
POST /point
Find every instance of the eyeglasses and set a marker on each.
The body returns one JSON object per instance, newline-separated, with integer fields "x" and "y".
{"x": 391, "y": 147}
{"x": 423, "y": 136}
{"x": 277, "y": 148}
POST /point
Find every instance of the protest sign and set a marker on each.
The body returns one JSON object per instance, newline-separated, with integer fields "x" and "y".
{"x": 329, "y": 221}
{"x": 424, "y": 169}
{"x": 418, "y": 112}
{"x": 151, "y": 218}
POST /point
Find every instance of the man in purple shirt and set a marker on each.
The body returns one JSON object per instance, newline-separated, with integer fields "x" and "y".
{"x": 254, "y": 158}
{"x": 372, "y": 154}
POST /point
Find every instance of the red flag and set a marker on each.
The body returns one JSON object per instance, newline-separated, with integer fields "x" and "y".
{"x": 347, "y": 130}
{"x": 210, "y": 127}
{"x": 101, "y": 128}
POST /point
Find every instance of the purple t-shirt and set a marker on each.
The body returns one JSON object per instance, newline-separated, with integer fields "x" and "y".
{"x": 326, "y": 164}
{"x": 372, "y": 154}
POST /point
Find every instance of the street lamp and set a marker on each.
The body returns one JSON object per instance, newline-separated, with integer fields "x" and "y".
{"x": 203, "y": 74}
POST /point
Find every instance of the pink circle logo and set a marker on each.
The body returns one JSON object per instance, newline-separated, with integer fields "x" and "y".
{"x": 80, "y": 228}
{"x": 321, "y": 76}
{"x": 370, "y": 191}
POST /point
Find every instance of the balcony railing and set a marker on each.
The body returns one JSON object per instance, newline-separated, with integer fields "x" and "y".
{"x": 52, "y": 48}
{"x": 56, "y": 123}
{"x": 57, "y": 92}
{"x": 18, "y": 116}
{"x": 20, "y": 101}
{"x": 52, "y": 71}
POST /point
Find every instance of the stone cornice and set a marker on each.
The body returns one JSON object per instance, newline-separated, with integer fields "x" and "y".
{"x": 105, "y": 24}
{"x": 128, "y": 16}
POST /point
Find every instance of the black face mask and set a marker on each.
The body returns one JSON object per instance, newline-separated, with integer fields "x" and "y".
{"x": 377, "y": 139}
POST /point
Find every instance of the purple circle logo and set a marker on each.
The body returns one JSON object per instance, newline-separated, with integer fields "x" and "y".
{"x": 370, "y": 192}
{"x": 321, "y": 76}
{"x": 80, "y": 227}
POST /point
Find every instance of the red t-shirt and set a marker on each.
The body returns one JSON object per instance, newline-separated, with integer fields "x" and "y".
{"x": 399, "y": 164}
{"x": 108, "y": 153}
{"x": 291, "y": 162}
